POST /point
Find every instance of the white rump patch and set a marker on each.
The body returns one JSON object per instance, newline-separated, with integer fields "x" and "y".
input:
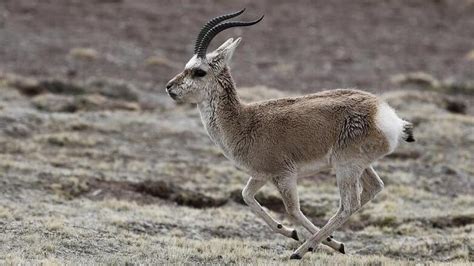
{"x": 390, "y": 124}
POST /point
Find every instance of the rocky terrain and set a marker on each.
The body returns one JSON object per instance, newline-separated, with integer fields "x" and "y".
{"x": 102, "y": 171}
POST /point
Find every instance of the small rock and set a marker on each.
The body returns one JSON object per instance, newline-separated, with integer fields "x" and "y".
{"x": 96, "y": 102}
{"x": 32, "y": 87}
{"x": 114, "y": 89}
{"x": 26, "y": 86}
{"x": 417, "y": 78}
{"x": 57, "y": 86}
{"x": 55, "y": 103}
{"x": 456, "y": 106}
{"x": 84, "y": 53}
{"x": 159, "y": 61}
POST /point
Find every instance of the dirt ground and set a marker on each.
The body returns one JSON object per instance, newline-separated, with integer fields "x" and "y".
{"x": 98, "y": 165}
{"x": 302, "y": 46}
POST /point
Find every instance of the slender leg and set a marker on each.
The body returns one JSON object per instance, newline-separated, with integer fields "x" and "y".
{"x": 254, "y": 185}
{"x": 349, "y": 187}
{"x": 288, "y": 190}
{"x": 371, "y": 185}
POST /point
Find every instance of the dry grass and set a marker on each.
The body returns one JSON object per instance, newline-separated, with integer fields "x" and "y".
{"x": 68, "y": 188}
{"x": 84, "y": 53}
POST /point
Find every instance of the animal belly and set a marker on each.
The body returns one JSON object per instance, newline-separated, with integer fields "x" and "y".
{"x": 311, "y": 168}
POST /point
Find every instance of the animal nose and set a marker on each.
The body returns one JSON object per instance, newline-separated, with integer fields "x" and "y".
{"x": 168, "y": 86}
{"x": 172, "y": 94}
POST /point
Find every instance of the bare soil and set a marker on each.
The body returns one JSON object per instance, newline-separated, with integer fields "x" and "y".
{"x": 300, "y": 46}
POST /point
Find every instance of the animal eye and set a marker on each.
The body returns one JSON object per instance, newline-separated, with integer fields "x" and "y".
{"x": 199, "y": 73}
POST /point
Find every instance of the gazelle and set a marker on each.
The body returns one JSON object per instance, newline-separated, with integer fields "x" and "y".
{"x": 282, "y": 139}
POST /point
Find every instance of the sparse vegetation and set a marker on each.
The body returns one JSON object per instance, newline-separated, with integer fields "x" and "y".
{"x": 115, "y": 186}
{"x": 84, "y": 53}
{"x": 98, "y": 166}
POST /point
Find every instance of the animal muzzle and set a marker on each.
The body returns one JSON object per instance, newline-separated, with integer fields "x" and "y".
{"x": 169, "y": 90}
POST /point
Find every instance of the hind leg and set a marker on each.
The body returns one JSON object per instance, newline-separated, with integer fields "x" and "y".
{"x": 288, "y": 191}
{"x": 371, "y": 185}
{"x": 348, "y": 182}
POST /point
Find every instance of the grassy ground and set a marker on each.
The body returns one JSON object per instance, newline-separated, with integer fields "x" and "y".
{"x": 100, "y": 171}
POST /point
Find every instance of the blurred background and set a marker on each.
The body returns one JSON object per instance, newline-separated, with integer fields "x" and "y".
{"x": 304, "y": 46}
{"x": 97, "y": 164}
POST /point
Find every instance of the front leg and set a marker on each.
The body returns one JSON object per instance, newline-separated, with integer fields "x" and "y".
{"x": 252, "y": 187}
{"x": 349, "y": 188}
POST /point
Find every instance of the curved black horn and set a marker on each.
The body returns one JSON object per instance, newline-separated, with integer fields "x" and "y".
{"x": 216, "y": 29}
{"x": 211, "y": 23}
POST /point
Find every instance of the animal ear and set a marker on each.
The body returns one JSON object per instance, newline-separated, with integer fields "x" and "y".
{"x": 229, "y": 49}
{"x": 223, "y": 46}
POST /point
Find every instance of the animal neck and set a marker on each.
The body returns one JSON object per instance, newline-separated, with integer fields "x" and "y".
{"x": 221, "y": 109}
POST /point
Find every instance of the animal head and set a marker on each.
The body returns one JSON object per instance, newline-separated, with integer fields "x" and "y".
{"x": 200, "y": 76}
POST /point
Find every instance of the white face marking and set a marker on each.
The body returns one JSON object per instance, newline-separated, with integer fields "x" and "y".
{"x": 194, "y": 62}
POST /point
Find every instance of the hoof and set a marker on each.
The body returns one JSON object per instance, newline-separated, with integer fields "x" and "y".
{"x": 295, "y": 257}
{"x": 341, "y": 249}
{"x": 294, "y": 235}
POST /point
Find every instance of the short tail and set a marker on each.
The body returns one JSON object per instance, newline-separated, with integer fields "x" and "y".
{"x": 408, "y": 132}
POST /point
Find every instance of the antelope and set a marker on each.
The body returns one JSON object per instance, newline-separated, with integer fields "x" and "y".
{"x": 281, "y": 140}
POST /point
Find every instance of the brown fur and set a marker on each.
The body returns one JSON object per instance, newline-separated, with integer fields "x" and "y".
{"x": 273, "y": 136}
